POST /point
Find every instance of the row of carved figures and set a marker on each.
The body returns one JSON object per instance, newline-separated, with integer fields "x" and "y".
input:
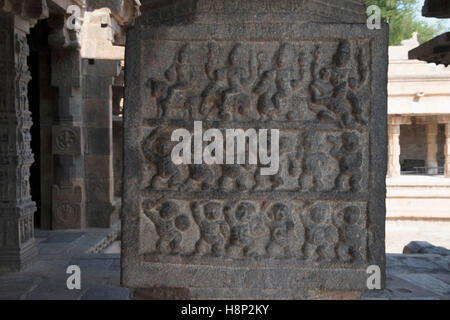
{"x": 255, "y": 91}
{"x": 245, "y": 229}
{"x": 303, "y": 165}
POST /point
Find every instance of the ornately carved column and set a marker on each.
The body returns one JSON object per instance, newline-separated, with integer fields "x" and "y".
{"x": 17, "y": 246}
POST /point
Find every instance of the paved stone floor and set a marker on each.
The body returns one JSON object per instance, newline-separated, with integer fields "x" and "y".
{"x": 419, "y": 276}
{"x": 46, "y": 278}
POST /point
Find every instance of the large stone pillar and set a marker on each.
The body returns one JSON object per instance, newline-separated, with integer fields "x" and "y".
{"x": 98, "y": 115}
{"x": 311, "y": 70}
{"x": 17, "y": 244}
{"x": 69, "y": 193}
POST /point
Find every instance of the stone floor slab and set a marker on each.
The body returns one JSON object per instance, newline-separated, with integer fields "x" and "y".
{"x": 409, "y": 276}
{"x": 107, "y": 294}
{"x": 428, "y": 282}
{"x": 63, "y": 237}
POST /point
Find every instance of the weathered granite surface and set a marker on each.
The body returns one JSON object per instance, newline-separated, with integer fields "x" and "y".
{"x": 225, "y": 231}
{"x": 423, "y": 247}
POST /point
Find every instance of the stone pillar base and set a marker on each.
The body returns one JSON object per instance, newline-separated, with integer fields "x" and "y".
{"x": 15, "y": 259}
{"x": 225, "y": 294}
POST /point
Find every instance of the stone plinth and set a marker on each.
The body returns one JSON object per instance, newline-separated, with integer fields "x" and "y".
{"x": 226, "y": 231}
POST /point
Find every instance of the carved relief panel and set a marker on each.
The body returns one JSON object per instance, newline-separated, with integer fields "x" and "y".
{"x": 302, "y": 82}
{"x": 316, "y": 213}
{"x": 213, "y": 230}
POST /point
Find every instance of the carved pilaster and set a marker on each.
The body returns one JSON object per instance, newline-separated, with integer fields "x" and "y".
{"x": 16, "y": 206}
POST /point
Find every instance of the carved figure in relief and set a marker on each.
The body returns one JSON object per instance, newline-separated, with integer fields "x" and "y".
{"x": 214, "y": 230}
{"x": 236, "y": 177}
{"x": 245, "y": 226}
{"x": 25, "y": 184}
{"x": 169, "y": 223}
{"x": 321, "y": 235}
{"x": 289, "y": 166}
{"x": 351, "y": 234}
{"x": 314, "y": 160}
{"x": 333, "y": 87}
{"x": 177, "y": 99}
{"x": 277, "y": 85}
{"x": 235, "y": 98}
{"x": 282, "y": 231}
{"x": 349, "y": 156}
{"x": 355, "y": 86}
{"x": 201, "y": 177}
{"x": 212, "y": 96}
{"x": 157, "y": 148}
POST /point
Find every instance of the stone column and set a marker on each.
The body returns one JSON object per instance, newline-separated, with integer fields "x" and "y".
{"x": 445, "y": 119}
{"x": 17, "y": 244}
{"x": 312, "y": 228}
{"x": 69, "y": 196}
{"x": 432, "y": 147}
{"x": 98, "y": 76}
{"x": 394, "y": 169}
{"x": 447, "y": 151}
{"x": 394, "y": 149}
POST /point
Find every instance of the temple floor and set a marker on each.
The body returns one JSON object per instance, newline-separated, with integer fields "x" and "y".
{"x": 409, "y": 276}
